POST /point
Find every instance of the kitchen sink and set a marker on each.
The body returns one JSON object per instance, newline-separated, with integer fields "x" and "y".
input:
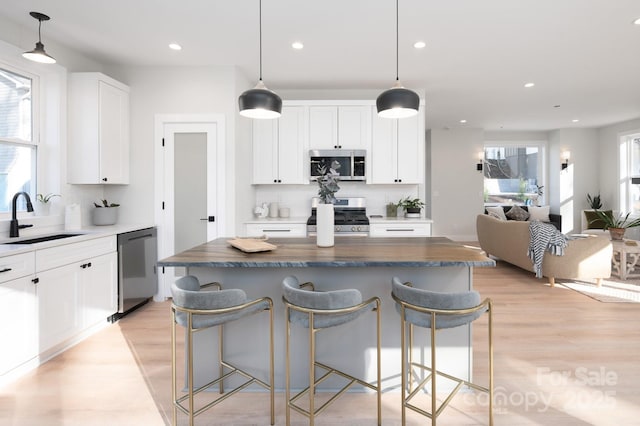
{"x": 43, "y": 239}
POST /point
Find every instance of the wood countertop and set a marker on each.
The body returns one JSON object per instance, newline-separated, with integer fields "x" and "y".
{"x": 347, "y": 252}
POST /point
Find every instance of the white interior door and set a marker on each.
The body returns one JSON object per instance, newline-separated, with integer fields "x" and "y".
{"x": 190, "y": 193}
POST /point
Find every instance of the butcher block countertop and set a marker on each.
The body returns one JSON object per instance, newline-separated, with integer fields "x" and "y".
{"x": 347, "y": 252}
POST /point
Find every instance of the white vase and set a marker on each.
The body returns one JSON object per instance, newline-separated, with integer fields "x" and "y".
{"x": 105, "y": 216}
{"x": 41, "y": 209}
{"x": 324, "y": 225}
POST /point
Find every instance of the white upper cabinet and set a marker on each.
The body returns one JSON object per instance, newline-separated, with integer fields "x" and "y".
{"x": 339, "y": 127}
{"x": 397, "y": 151}
{"x": 280, "y": 148}
{"x": 98, "y": 147}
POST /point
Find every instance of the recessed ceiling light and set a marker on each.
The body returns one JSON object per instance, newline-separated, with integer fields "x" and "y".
{"x": 575, "y": 120}
{"x": 637, "y": 21}
{"x": 463, "y": 121}
{"x": 297, "y": 45}
{"x": 527, "y": 85}
{"x": 175, "y": 46}
{"x": 419, "y": 44}
{"x": 556, "y": 106}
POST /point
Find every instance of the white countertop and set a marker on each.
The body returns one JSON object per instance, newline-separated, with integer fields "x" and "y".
{"x": 298, "y": 219}
{"x": 88, "y": 233}
{"x": 401, "y": 219}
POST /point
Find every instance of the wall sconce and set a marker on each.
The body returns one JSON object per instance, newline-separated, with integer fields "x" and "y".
{"x": 565, "y": 156}
{"x": 480, "y": 161}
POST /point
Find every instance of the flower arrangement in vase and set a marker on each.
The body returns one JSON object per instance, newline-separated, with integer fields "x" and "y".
{"x": 327, "y": 187}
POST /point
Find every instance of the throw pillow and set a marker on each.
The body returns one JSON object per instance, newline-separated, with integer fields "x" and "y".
{"x": 517, "y": 213}
{"x": 540, "y": 213}
{"x": 497, "y": 212}
{"x": 593, "y": 221}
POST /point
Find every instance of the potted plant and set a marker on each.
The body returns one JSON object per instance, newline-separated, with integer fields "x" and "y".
{"x": 617, "y": 225}
{"x": 594, "y": 202}
{"x": 411, "y": 206}
{"x": 105, "y": 213}
{"x": 43, "y": 203}
{"x": 327, "y": 187}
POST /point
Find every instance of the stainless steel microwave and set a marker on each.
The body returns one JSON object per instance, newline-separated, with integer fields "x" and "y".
{"x": 348, "y": 163}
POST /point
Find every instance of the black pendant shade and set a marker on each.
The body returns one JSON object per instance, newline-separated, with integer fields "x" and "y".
{"x": 38, "y": 54}
{"x": 260, "y": 102}
{"x": 397, "y": 102}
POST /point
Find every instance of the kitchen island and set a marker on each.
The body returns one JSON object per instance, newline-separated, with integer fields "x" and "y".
{"x": 367, "y": 264}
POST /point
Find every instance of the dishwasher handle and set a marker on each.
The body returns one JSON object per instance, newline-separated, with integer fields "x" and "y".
{"x": 139, "y": 237}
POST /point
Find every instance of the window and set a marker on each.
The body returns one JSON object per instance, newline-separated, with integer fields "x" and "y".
{"x": 632, "y": 179}
{"x": 17, "y": 146}
{"x": 513, "y": 174}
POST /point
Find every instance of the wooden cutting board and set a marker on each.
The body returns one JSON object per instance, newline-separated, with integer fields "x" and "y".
{"x": 251, "y": 245}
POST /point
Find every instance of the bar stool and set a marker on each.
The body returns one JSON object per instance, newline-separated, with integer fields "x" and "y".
{"x": 436, "y": 311}
{"x": 196, "y": 310}
{"x": 317, "y": 310}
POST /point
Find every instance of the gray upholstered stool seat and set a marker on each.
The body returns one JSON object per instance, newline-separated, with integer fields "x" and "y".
{"x": 315, "y": 311}
{"x": 196, "y": 309}
{"x": 436, "y": 311}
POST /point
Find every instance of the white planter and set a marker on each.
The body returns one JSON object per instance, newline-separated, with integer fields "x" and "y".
{"x": 324, "y": 225}
{"x": 41, "y": 209}
{"x": 105, "y": 215}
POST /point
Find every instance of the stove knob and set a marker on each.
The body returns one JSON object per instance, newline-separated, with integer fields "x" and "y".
{"x": 359, "y": 229}
{"x": 337, "y": 229}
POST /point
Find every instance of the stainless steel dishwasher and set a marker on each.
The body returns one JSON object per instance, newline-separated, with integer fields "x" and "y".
{"x": 137, "y": 273}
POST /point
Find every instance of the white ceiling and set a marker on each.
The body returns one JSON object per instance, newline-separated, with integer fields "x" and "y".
{"x": 583, "y": 55}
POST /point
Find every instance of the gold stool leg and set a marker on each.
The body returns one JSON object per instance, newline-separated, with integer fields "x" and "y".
{"x": 403, "y": 355}
{"x": 312, "y": 369}
{"x": 220, "y": 352}
{"x": 433, "y": 369}
{"x": 379, "y": 372}
{"x": 490, "y": 365}
{"x": 287, "y": 367}
{"x": 173, "y": 369}
{"x": 410, "y": 369}
{"x": 271, "y": 363}
{"x": 190, "y": 364}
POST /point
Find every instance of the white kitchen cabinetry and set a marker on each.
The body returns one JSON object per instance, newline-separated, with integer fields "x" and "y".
{"x": 76, "y": 288}
{"x": 18, "y": 311}
{"x": 276, "y": 230}
{"x": 397, "y": 152}
{"x": 279, "y": 148}
{"x": 340, "y": 127}
{"x": 98, "y": 146}
{"x": 400, "y": 229}
{"x": 59, "y": 314}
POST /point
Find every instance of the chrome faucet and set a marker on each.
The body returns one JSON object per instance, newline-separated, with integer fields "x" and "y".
{"x": 14, "y": 227}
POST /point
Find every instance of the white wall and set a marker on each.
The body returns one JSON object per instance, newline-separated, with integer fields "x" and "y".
{"x": 456, "y": 185}
{"x": 207, "y": 90}
{"x": 569, "y": 188}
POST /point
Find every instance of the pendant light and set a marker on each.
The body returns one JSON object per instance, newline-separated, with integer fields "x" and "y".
{"x": 260, "y": 102}
{"x": 38, "y": 54}
{"x": 397, "y": 102}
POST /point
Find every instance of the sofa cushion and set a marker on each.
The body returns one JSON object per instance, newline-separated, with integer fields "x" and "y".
{"x": 593, "y": 221}
{"x": 540, "y": 213}
{"x": 517, "y": 213}
{"x": 497, "y": 212}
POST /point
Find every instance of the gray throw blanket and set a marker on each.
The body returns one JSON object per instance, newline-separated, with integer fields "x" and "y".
{"x": 544, "y": 237}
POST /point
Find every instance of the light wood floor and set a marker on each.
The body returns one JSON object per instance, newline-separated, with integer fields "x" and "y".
{"x": 561, "y": 358}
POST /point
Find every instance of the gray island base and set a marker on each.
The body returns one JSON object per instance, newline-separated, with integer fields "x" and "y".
{"x": 367, "y": 264}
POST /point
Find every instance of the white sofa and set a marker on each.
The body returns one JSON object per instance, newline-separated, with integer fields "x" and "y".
{"x": 588, "y": 257}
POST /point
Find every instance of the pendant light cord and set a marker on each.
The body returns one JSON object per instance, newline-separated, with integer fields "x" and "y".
{"x": 39, "y": 26}
{"x": 397, "y": 36}
{"x": 260, "y": 27}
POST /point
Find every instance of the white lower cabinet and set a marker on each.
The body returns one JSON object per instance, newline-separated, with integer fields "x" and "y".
{"x": 98, "y": 289}
{"x": 58, "y": 305}
{"x": 421, "y": 229}
{"x": 18, "y": 322}
{"x": 276, "y": 230}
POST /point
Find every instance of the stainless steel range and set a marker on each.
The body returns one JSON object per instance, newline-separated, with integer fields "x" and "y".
{"x": 350, "y": 217}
